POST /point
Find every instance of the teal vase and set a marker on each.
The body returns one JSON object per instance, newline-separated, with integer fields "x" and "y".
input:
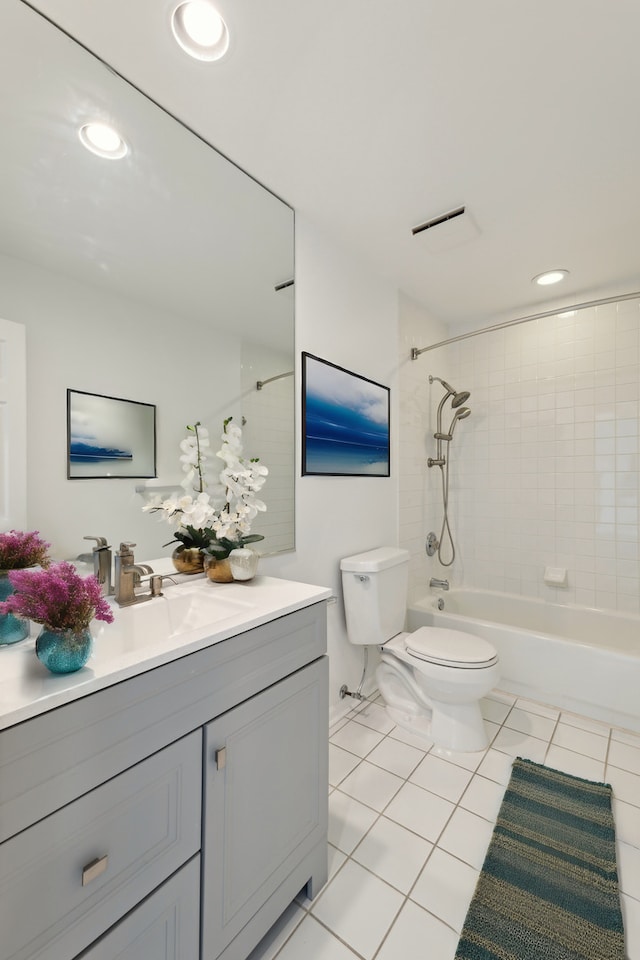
{"x": 12, "y": 629}
{"x": 63, "y": 651}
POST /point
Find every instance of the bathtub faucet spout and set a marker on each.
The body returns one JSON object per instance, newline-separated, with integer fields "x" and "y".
{"x": 441, "y": 584}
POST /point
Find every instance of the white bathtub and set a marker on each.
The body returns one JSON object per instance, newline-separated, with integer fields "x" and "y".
{"x": 585, "y": 661}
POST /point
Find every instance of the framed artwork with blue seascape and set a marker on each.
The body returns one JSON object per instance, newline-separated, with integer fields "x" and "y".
{"x": 345, "y": 422}
{"x": 109, "y": 437}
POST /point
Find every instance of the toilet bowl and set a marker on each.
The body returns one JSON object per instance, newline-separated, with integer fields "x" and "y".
{"x": 432, "y": 679}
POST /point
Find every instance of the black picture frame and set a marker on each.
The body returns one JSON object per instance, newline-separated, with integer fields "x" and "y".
{"x": 345, "y": 422}
{"x": 109, "y": 437}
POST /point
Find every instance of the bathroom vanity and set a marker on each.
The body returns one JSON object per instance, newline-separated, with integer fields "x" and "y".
{"x": 170, "y": 799}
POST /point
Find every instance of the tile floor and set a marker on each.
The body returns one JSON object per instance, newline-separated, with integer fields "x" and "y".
{"x": 409, "y": 826}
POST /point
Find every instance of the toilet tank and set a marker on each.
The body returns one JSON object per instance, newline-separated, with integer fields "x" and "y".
{"x": 375, "y": 586}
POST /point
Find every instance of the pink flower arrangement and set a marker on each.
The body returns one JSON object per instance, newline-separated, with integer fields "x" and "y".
{"x": 57, "y": 598}
{"x": 19, "y": 550}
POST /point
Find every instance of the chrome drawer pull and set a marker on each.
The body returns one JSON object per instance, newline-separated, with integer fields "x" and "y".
{"x": 94, "y": 869}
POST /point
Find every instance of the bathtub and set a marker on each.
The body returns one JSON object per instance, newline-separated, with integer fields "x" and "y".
{"x": 584, "y": 661}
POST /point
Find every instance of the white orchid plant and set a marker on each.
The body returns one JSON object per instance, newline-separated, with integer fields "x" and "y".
{"x": 218, "y": 518}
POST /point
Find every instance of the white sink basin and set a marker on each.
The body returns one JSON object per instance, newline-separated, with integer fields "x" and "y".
{"x": 194, "y": 606}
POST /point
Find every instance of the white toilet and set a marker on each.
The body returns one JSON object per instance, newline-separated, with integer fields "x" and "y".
{"x": 432, "y": 679}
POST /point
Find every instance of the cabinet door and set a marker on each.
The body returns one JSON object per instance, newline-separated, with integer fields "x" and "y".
{"x": 163, "y": 927}
{"x": 265, "y": 801}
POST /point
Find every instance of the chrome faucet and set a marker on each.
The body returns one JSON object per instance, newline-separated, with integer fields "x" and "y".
{"x": 127, "y": 576}
{"x": 441, "y": 584}
{"x": 101, "y": 555}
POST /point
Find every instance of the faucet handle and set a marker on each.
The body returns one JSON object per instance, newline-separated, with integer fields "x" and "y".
{"x": 126, "y": 549}
{"x": 100, "y": 542}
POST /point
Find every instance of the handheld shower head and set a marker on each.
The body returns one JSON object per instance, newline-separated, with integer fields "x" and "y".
{"x": 461, "y": 414}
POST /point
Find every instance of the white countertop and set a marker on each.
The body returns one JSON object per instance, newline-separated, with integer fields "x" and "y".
{"x": 192, "y": 615}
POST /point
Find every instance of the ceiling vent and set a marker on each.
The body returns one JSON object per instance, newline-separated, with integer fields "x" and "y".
{"x": 448, "y": 230}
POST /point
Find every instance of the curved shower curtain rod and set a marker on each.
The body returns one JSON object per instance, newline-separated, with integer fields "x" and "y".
{"x": 415, "y": 351}
{"x": 260, "y": 383}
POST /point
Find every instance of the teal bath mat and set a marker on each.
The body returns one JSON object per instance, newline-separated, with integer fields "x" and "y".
{"x": 548, "y": 889}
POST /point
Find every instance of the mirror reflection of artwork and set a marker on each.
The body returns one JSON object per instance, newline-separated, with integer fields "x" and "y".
{"x": 345, "y": 422}
{"x": 109, "y": 437}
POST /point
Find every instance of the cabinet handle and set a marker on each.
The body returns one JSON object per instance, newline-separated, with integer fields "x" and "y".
{"x": 94, "y": 869}
{"x": 221, "y": 758}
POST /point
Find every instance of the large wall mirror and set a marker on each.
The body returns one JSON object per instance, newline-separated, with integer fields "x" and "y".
{"x": 160, "y": 278}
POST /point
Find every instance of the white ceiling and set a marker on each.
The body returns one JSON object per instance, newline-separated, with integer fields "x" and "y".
{"x": 371, "y": 117}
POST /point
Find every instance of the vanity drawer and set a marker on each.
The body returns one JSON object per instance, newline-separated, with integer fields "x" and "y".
{"x": 165, "y": 927}
{"x": 68, "y": 878}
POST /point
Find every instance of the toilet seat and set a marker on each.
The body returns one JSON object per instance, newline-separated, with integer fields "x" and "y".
{"x": 450, "y": 648}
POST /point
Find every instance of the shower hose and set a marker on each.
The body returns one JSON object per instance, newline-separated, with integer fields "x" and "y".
{"x": 446, "y": 528}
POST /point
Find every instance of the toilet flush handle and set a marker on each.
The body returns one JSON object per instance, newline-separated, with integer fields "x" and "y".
{"x": 361, "y": 577}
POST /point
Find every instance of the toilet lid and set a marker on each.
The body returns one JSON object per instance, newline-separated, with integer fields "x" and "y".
{"x": 450, "y": 647}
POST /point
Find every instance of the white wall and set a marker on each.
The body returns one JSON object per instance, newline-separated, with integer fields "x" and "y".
{"x": 345, "y": 314}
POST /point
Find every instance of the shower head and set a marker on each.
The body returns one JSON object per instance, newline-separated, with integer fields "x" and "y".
{"x": 460, "y": 398}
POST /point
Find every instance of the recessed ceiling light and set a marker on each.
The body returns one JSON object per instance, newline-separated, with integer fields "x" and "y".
{"x": 103, "y": 140}
{"x": 200, "y": 30}
{"x": 551, "y": 276}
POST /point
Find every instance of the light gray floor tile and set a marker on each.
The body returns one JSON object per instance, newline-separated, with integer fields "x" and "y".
{"x": 445, "y": 887}
{"x": 518, "y": 744}
{"x": 341, "y": 763}
{"x": 393, "y": 853}
{"x": 349, "y": 820}
{"x": 626, "y": 786}
{"x": 413, "y": 739}
{"x": 278, "y": 934}
{"x": 494, "y": 710}
{"x": 358, "y": 907}
{"x": 580, "y": 741}
{"x": 522, "y": 703}
{"x": 371, "y": 785}
{"x": 396, "y": 757}
{"x": 496, "y": 766}
{"x": 577, "y": 764}
{"x": 467, "y": 837}
{"x": 631, "y": 920}
{"x": 441, "y": 777}
{"x": 375, "y": 715}
{"x": 312, "y": 941}
{"x": 628, "y": 858}
{"x": 417, "y": 933}
{"x": 627, "y": 821}
{"x": 420, "y": 811}
{"x": 483, "y": 797}
{"x": 356, "y": 738}
{"x": 530, "y": 723}
{"x": 624, "y": 755}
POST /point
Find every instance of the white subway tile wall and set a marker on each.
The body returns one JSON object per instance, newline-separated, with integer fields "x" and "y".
{"x": 545, "y": 472}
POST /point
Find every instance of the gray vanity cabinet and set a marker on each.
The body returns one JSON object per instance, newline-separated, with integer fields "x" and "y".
{"x": 173, "y": 815}
{"x": 265, "y": 792}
